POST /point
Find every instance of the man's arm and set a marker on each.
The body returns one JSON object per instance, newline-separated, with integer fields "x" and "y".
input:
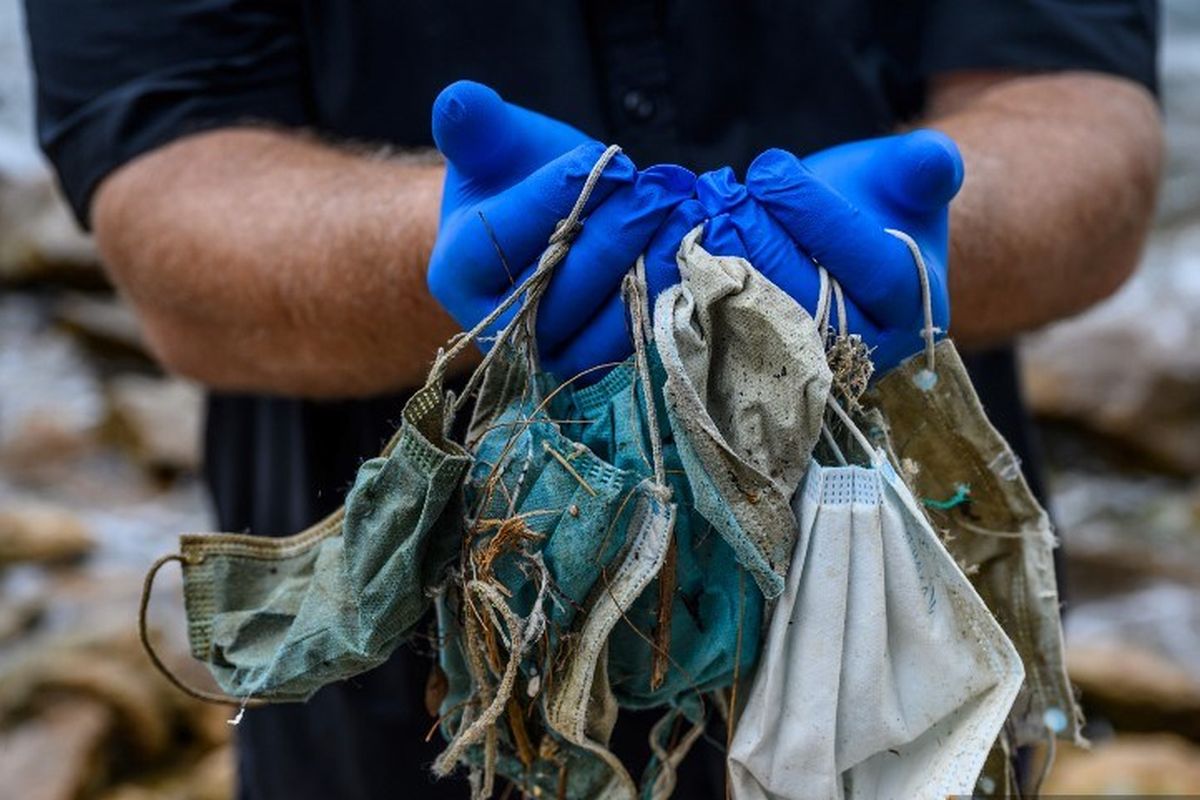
{"x": 1061, "y": 176}
{"x": 263, "y": 260}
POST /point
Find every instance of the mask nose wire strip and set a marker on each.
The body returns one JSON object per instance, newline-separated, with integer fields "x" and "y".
{"x": 156, "y": 660}
{"x": 635, "y": 290}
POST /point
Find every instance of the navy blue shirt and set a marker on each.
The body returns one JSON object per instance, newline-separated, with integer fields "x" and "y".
{"x": 703, "y": 83}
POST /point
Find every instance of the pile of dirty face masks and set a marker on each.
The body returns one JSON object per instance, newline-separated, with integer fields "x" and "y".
{"x": 723, "y": 524}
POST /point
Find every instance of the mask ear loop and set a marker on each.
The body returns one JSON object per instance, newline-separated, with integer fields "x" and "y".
{"x": 829, "y": 288}
{"x": 840, "y": 301}
{"x": 637, "y": 300}
{"x": 523, "y": 325}
{"x": 160, "y": 665}
{"x": 926, "y": 378}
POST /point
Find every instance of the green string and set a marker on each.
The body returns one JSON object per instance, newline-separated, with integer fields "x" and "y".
{"x": 961, "y": 496}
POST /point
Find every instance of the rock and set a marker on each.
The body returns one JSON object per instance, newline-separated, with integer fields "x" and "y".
{"x": 112, "y": 673}
{"x": 51, "y": 405}
{"x": 1135, "y": 689}
{"x": 213, "y": 777}
{"x": 17, "y": 617}
{"x": 103, "y": 321}
{"x": 1123, "y": 530}
{"x": 41, "y": 533}
{"x": 210, "y": 778}
{"x": 176, "y": 746}
{"x": 1180, "y": 58}
{"x": 1128, "y": 766}
{"x": 159, "y": 419}
{"x": 57, "y": 755}
{"x": 39, "y": 239}
{"x": 1129, "y": 369}
{"x": 1161, "y": 617}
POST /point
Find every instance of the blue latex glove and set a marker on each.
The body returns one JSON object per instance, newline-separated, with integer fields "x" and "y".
{"x": 495, "y": 143}
{"x": 496, "y": 171}
{"x": 832, "y": 208}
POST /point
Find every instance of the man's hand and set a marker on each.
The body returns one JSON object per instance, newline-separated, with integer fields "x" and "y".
{"x": 491, "y": 144}
{"x": 833, "y": 209}
{"x": 836, "y": 205}
{"x": 496, "y": 223}
{"x": 268, "y": 261}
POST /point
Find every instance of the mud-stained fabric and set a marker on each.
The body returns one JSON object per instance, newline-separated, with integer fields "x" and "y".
{"x": 974, "y": 491}
{"x": 571, "y": 473}
{"x": 582, "y": 505}
{"x": 746, "y": 383}
{"x": 616, "y": 546}
{"x": 278, "y": 618}
{"x": 712, "y": 602}
{"x": 883, "y": 675}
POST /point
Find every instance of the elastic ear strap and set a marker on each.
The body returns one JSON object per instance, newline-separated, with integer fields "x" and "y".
{"x": 637, "y": 300}
{"x": 533, "y": 286}
{"x": 821, "y": 312}
{"x": 926, "y": 294}
{"x": 859, "y": 436}
{"x": 840, "y": 300}
{"x": 144, "y": 635}
{"x": 827, "y": 434}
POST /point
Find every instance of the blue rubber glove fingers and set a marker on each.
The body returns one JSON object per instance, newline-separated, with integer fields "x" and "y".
{"x": 839, "y": 211}
{"x": 906, "y": 182}
{"x": 490, "y": 144}
{"x": 602, "y": 343}
{"x": 763, "y": 241}
{"x": 662, "y": 264}
{"x": 582, "y": 320}
{"x": 612, "y": 239}
{"x": 722, "y": 196}
{"x": 874, "y": 268}
{"x": 911, "y": 175}
{"x": 467, "y": 274}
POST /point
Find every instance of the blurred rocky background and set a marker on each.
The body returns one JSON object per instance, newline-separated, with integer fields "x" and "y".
{"x": 1117, "y": 396}
{"x": 98, "y": 472}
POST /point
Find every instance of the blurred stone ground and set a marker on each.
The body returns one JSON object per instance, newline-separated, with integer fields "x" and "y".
{"x": 1117, "y": 394}
{"x": 98, "y": 473}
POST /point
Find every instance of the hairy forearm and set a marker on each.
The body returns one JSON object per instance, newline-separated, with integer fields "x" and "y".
{"x": 1062, "y": 172}
{"x": 265, "y": 261}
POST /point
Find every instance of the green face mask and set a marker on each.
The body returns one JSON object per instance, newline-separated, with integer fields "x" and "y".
{"x": 278, "y": 618}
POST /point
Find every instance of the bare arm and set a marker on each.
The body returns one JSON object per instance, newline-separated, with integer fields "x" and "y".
{"x": 265, "y": 261}
{"x": 1061, "y": 176}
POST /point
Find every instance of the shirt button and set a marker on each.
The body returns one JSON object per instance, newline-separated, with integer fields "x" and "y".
{"x": 638, "y": 105}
